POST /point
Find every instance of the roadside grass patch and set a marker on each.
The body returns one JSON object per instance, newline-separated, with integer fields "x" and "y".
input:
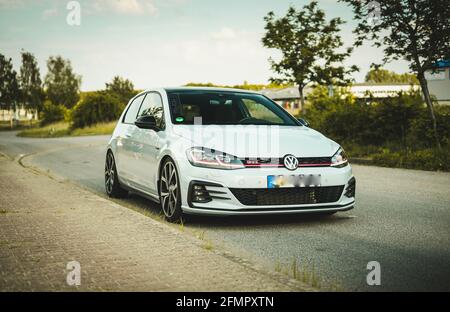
{"x": 97, "y": 129}
{"x": 61, "y": 129}
{"x": 207, "y": 245}
{"x": 428, "y": 159}
{"x": 201, "y": 235}
{"x": 58, "y": 129}
{"x": 5, "y": 125}
{"x": 305, "y": 273}
{"x": 5, "y": 212}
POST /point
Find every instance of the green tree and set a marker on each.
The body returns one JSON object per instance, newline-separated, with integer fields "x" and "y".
{"x": 311, "y": 47}
{"x": 339, "y": 116}
{"x": 122, "y": 88}
{"x": 62, "y": 84}
{"x": 244, "y": 86}
{"x": 417, "y": 31}
{"x": 394, "y": 116}
{"x": 31, "y": 83}
{"x": 9, "y": 87}
{"x": 96, "y": 107}
{"x": 51, "y": 113}
{"x": 380, "y": 75}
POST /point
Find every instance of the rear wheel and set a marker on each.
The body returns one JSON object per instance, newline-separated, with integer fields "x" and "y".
{"x": 169, "y": 192}
{"x": 112, "y": 185}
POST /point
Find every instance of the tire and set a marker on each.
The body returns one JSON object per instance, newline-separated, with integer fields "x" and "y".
{"x": 112, "y": 184}
{"x": 169, "y": 192}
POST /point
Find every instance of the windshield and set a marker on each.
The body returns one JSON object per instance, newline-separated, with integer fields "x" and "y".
{"x": 226, "y": 108}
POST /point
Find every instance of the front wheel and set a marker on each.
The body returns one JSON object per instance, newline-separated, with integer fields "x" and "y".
{"x": 169, "y": 192}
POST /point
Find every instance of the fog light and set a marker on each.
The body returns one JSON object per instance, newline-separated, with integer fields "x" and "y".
{"x": 350, "y": 190}
{"x": 199, "y": 194}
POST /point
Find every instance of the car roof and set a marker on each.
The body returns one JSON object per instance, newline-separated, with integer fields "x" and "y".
{"x": 181, "y": 89}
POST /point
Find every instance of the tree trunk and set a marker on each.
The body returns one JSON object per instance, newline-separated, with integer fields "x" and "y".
{"x": 302, "y": 101}
{"x": 426, "y": 94}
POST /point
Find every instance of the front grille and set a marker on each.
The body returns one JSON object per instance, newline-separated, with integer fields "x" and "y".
{"x": 314, "y": 161}
{"x": 288, "y": 196}
{"x": 278, "y": 162}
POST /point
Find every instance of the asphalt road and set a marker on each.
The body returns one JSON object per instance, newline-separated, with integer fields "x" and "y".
{"x": 402, "y": 220}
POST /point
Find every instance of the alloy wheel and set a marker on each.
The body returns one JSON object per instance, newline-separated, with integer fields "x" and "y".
{"x": 109, "y": 173}
{"x": 169, "y": 189}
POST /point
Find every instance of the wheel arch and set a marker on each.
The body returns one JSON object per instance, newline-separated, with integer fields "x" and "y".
{"x": 160, "y": 166}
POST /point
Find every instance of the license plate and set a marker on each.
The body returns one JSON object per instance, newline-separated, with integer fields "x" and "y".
{"x": 302, "y": 180}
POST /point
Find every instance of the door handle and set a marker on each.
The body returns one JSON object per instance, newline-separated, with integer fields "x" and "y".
{"x": 127, "y": 136}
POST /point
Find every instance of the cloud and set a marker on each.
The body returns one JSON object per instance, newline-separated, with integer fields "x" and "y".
{"x": 125, "y": 7}
{"x": 50, "y": 13}
{"x": 224, "y": 33}
{"x": 200, "y": 58}
{"x": 12, "y": 4}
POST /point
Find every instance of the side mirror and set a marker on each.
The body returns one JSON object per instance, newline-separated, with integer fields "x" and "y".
{"x": 146, "y": 122}
{"x": 304, "y": 122}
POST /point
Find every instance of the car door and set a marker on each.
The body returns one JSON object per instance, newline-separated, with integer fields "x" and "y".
{"x": 148, "y": 144}
{"x": 126, "y": 150}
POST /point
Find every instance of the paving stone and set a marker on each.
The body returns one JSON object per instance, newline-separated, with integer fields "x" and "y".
{"x": 44, "y": 224}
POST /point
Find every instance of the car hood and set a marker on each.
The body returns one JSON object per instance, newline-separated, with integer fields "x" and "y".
{"x": 259, "y": 141}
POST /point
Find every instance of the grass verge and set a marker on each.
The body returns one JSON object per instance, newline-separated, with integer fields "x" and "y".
{"x": 307, "y": 274}
{"x": 431, "y": 159}
{"x": 5, "y": 125}
{"x": 61, "y": 129}
{"x": 428, "y": 159}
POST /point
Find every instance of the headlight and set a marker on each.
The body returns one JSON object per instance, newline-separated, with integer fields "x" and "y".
{"x": 209, "y": 158}
{"x": 339, "y": 159}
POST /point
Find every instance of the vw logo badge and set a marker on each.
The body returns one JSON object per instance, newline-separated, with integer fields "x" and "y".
{"x": 290, "y": 162}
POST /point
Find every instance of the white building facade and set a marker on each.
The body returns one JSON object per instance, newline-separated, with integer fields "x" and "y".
{"x": 439, "y": 82}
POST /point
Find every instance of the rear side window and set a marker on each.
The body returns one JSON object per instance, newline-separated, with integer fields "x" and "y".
{"x": 131, "y": 114}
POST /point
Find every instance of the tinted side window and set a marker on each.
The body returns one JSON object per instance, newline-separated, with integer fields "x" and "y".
{"x": 130, "y": 116}
{"x": 152, "y": 106}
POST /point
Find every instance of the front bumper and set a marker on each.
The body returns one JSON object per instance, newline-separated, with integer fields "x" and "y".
{"x": 221, "y": 186}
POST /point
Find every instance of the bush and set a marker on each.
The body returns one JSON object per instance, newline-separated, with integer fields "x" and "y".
{"x": 96, "y": 107}
{"x": 52, "y": 113}
{"x": 340, "y": 117}
{"x": 401, "y": 122}
{"x": 357, "y": 150}
{"x": 394, "y": 132}
{"x": 121, "y": 88}
{"x": 393, "y": 117}
{"x": 428, "y": 159}
{"x": 421, "y": 131}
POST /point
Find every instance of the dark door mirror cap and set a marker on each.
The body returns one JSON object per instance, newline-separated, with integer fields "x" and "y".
{"x": 146, "y": 122}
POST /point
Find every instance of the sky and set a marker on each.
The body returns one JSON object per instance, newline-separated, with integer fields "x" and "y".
{"x": 161, "y": 42}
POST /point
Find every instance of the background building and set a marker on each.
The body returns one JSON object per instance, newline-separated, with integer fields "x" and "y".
{"x": 20, "y": 114}
{"x": 439, "y": 82}
{"x": 289, "y": 98}
{"x": 380, "y": 90}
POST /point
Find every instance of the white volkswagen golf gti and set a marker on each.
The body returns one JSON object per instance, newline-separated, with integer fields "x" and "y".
{"x": 224, "y": 152}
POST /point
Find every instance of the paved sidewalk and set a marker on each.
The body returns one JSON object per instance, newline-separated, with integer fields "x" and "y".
{"x": 44, "y": 224}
